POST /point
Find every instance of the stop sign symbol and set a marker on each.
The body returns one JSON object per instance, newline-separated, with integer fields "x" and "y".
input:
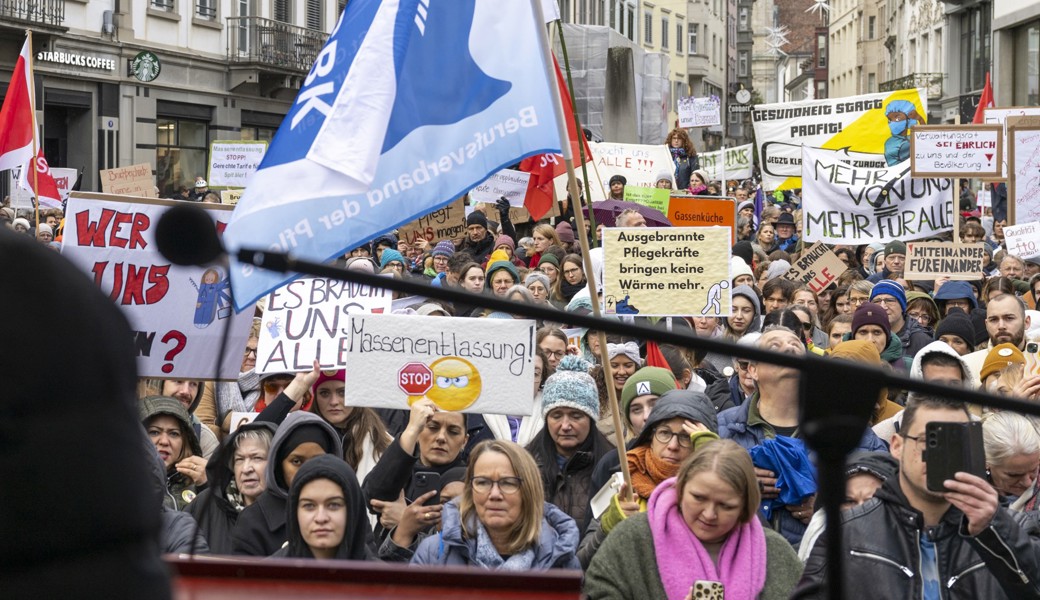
{"x": 415, "y": 379}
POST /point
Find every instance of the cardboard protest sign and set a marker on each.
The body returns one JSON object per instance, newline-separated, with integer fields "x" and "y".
{"x": 177, "y": 313}
{"x": 231, "y": 163}
{"x": 230, "y": 196}
{"x": 469, "y": 365}
{"x": 856, "y": 126}
{"x": 845, "y": 204}
{"x": 65, "y": 179}
{"x": 656, "y": 198}
{"x": 640, "y": 164}
{"x": 1024, "y": 166}
{"x": 1002, "y": 116}
{"x": 956, "y": 151}
{"x": 448, "y": 223}
{"x": 673, "y": 271}
{"x": 1023, "y": 240}
{"x": 306, "y": 320}
{"x": 135, "y": 180}
{"x": 817, "y": 267}
{"x": 738, "y": 162}
{"x": 507, "y": 182}
{"x": 703, "y": 211}
{"x": 927, "y": 260}
{"x": 699, "y": 112}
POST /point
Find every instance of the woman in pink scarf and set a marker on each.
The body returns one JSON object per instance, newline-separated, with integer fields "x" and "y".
{"x": 704, "y": 533}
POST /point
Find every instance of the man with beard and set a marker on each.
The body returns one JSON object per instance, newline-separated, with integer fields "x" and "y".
{"x": 1006, "y": 323}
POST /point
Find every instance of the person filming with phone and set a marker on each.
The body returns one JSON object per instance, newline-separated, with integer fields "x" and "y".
{"x": 945, "y": 534}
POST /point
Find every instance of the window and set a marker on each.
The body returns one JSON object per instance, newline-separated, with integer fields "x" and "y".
{"x": 315, "y": 18}
{"x": 821, "y": 50}
{"x": 664, "y": 33}
{"x": 742, "y": 63}
{"x": 283, "y": 11}
{"x": 871, "y": 28}
{"x": 206, "y": 9}
{"x": 744, "y": 18}
{"x": 258, "y": 134}
{"x": 678, "y": 38}
{"x": 871, "y": 82}
{"x": 1027, "y": 75}
{"x": 975, "y": 47}
{"x": 821, "y": 89}
{"x": 692, "y": 30}
{"x": 166, "y": 5}
{"x": 181, "y": 149}
{"x": 630, "y": 22}
{"x": 648, "y": 26}
{"x": 714, "y": 53}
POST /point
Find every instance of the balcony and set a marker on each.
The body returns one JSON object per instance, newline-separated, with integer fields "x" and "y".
{"x": 50, "y": 13}
{"x": 265, "y": 42}
{"x": 933, "y": 82}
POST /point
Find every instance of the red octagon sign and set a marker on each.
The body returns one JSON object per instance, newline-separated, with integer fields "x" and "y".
{"x": 415, "y": 379}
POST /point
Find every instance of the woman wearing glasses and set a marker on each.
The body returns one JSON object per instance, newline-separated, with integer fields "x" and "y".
{"x": 502, "y": 521}
{"x": 573, "y": 280}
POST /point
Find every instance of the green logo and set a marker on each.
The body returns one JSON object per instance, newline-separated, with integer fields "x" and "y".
{"x": 145, "y": 66}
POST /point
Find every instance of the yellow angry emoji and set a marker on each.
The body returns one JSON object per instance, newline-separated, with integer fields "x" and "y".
{"x": 456, "y": 383}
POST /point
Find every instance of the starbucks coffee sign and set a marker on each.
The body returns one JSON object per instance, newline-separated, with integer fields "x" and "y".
{"x": 145, "y": 66}
{"x": 74, "y": 59}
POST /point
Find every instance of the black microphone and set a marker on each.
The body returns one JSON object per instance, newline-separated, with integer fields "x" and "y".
{"x": 186, "y": 235}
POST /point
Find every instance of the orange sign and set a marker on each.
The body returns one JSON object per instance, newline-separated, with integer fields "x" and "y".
{"x": 702, "y": 211}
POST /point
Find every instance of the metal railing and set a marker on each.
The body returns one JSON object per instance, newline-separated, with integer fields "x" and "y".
{"x": 45, "y": 12}
{"x": 932, "y": 81}
{"x": 267, "y": 42}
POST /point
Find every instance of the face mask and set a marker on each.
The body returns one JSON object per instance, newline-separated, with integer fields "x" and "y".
{"x": 900, "y": 127}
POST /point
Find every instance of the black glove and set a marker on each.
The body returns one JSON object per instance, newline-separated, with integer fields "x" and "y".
{"x": 502, "y": 205}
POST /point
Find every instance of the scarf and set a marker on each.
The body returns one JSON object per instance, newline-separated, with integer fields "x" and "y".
{"x": 488, "y": 557}
{"x": 647, "y": 470}
{"x": 682, "y": 559}
{"x": 700, "y": 188}
{"x": 240, "y": 396}
{"x": 678, "y": 154}
{"x": 567, "y": 290}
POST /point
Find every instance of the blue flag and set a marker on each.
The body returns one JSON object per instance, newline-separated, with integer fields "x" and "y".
{"x": 410, "y": 104}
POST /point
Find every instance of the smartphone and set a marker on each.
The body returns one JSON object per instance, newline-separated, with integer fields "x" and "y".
{"x": 953, "y": 447}
{"x": 709, "y": 590}
{"x": 1032, "y": 359}
{"x": 428, "y": 481}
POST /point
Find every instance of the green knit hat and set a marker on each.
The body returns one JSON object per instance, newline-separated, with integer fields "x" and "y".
{"x": 648, "y": 380}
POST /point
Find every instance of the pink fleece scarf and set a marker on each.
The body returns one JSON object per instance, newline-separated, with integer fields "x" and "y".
{"x": 682, "y": 560}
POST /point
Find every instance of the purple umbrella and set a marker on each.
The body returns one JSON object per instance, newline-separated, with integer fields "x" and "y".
{"x": 607, "y": 211}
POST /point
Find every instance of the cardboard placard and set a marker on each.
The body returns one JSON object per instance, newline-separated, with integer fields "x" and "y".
{"x": 656, "y": 198}
{"x": 1023, "y": 240}
{"x": 230, "y": 197}
{"x": 231, "y": 163}
{"x": 468, "y": 365}
{"x": 703, "y": 211}
{"x": 674, "y": 271}
{"x": 699, "y": 112}
{"x": 507, "y": 182}
{"x": 817, "y": 267}
{"x": 135, "y": 180}
{"x": 177, "y": 313}
{"x": 928, "y": 260}
{"x": 306, "y": 321}
{"x": 1003, "y": 117}
{"x": 448, "y": 223}
{"x": 956, "y": 151}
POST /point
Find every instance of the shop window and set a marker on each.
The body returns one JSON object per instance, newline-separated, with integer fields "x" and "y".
{"x": 257, "y": 134}
{"x": 181, "y": 148}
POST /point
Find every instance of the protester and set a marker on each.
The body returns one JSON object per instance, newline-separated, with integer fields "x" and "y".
{"x": 786, "y": 238}
{"x": 956, "y": 330}
{"x": 870, "y": 323}
{"x": 1013, "y": 458}
{"x": 639, "y": 395}
{"x": 554, "y": 343}
{"x": 892, "y": 297}
{"x": 168, "y": 426}
{"x": 894, "y": 254}
{"x": 1006, "y": 323}
{"x": 360, "y": 430}
{"x": 684, "y": 156}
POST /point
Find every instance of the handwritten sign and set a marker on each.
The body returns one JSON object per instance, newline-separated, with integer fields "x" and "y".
{"x": 703, "y": 211}
{"x": 22, "y": 198}
{"x": 957, "y": 261}
{"x": 667, "y": 271}
{"x": 231, "y": 163}
{"x": 737, "y": 162}
{"x": 956, "y": 151}
{"x": 1024, "y": 166}
{"x": 467, "y": 365}
{"x": 178, "y": 314}
{"x": 817, "y": 267}
{"x": 135, "y": 180}
{"x": 1023, "y": 240}
{"x": 507, "y": 182}
{"x": 656, "y": 198}
{"x": 639, "y": 164}
{"x": 306, "y": 320}
{"x": 230, "y": 196}
{"x": 448, "y": 223}
{"x": 699, "y": 112}
{"x": 1002, "y": 116}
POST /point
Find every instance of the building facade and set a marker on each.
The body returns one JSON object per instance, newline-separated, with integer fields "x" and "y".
{"x": 708, "y": 58}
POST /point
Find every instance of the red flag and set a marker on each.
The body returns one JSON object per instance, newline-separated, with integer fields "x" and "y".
{"x": 47, "y": 196}
{"x": 655, "y": 358}
{"x": 17, "y": 121}
{"x": 985, "y": 101}
{"x": 545, "y": 167}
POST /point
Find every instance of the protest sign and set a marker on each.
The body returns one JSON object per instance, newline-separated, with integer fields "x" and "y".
{"x": 135, "y": 180}
{"x": 983, "y": 199}
{"x": 925, "y": 260}
{"x": 655, "y": 198}
{"x": 739, "y": 162}
{"x": 674, "y": 271}
{"x": 1002, "y": 116}
{"x": 230, "y": 196}
{"x": 239, "y": 418}
{"x": 574, "y": 335}
{"x": 956, "y": 151}
{"x": 703, "y": 211}
{"x": 699, "y": 112}
{"x": 856, "y": 126}
{"x": 448, "y": 223}
{"x": 1023, "y": 240}
{"x": 177, "y": 313}
{"x": 845, "y": 204}
{"x": 1024, "y": 166}
{"x": 65, "y": 179}
{"x": 469, "y": 365}
{"x": 231, "y": 163}
{"x": 306, "y": 320}
{"x": 640, "y": 164}
{"x": 817, "y": 267}
{"x": 507, "y": 182}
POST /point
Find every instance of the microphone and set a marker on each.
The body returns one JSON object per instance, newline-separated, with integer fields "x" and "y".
{"x": 186, "y": 235}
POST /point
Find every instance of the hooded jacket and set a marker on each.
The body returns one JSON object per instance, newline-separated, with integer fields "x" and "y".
{"x": 260, "y": 529}
{"x": 569, "y": 488}
{"x": 180, "y": 489}
{"x": 214, "y": 511}
{"x": 178, "y": 528}
{"x": 555, "y": 549}
{"x": 357, "y": 541}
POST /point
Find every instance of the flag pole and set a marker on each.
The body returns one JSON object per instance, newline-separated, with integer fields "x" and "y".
{"x": 32, "y": 109}
{"x": 590, "y": 275}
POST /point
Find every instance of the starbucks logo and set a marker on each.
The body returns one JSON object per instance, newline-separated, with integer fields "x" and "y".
{"x": 145, "y": 66}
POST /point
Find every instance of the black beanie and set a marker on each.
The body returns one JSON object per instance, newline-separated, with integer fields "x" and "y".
{"x": 744, "y": 250}
{"x": 957, "y": 323}
{"x": 477, "y": 217}
{"x": 618, "y": 179}
{"x": 978, "y": 322}
{"x": 308, "y": 432}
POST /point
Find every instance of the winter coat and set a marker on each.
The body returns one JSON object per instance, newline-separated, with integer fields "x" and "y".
{"x": 555, "y": 549}
{"x": 180, "y": 489}
{"x": 176, "y": 528}
{"x": 569, "y": 488}
{"x": 913, "y": 337}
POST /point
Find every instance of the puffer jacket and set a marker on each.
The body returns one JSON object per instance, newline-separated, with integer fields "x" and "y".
{"x": 914, "y": 337}
{"x": 1001, "y": 562}
{"x": 555, "y": 550}
{"x": 569, "y": 488}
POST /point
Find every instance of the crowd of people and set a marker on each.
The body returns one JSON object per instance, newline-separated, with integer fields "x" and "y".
{"x": 723, "y": 498}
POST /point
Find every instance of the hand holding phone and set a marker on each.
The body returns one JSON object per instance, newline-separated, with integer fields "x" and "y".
{"x": 951, "y": 448}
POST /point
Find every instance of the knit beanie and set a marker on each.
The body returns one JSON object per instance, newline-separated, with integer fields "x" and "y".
{"x": 477, "y": 217}
{"x": 360, "y": 263}
{"x": 571, "y": 386}
{"x": 895, "y": 247}
{"x": 738, "y": 267}
{"x": 777, "y": 268}
{"x": 324, "y": 376}
{"x": 957, "y": 323}
{"x": 505, "y": 240}
{"x": 565, "y": 232}
{"x": 869, "y": 313}
{"x": 663, "y": 176}
{"x": 618, "y": 179}
{"x": 444, "y": 248}
{"x": 891, "y": 288}
{"x": 21, "y": 221}
{"x": 745, "y": 204}
{"x": 534, "y": 276}
{"x": 549, "y": 257}
{"x": 747, "y": 292}
{"x": 44, "y": 227}
{"x": 388, "y": 256}
{"x": 648, "y": 380}
{"x": 703, "y": 175}
{"x": 1000, "y": 357}
{"x": 501, "y": 265}
{"x": 744, "y": 250}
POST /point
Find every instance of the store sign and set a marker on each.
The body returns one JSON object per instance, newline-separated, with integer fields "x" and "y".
{"x": 145, "y": 66}
{"x": 75, "y": 59}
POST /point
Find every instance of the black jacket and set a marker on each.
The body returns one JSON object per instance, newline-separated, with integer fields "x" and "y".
{"x": 570, "y": 488}
{"x": 881, "y": 550}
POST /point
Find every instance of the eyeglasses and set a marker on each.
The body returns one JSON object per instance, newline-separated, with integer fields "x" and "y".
{"x": 922, "y": 318}
{"x": 858, "y": 300}
{"x": 743, "y": 364}
{"x": 249, "y": 351}
{"x": 273, "y": 387}
{"x": 555, "y": 354}
{"x": 665, "y": 437}
{"x": 506, "y": 485}
{"x": 885, "y": 301}
{"x": 396, "y": 265}
{"x": 572, "y": 271}
{"x": 807, "y": 327}
{"x": 916, "y": 438}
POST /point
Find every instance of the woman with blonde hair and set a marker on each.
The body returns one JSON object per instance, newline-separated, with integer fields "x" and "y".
{"x": 544, "y": 236}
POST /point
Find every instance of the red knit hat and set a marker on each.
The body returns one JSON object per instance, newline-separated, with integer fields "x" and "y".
{"x": 324, "y": 376}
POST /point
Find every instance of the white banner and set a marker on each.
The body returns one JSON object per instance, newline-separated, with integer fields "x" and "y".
{"x": 469, "y": 365}
{"x": 699, "y": 112}
{"x": 177, "y": 313}
{"x": 231, "y": 163}
{"x": 845, "y": 204}
{"x": 1023, "y": 240}
{"x": 22, "y": 198}
{"x": 640, "y": 164}
{"x": 306, "y": 320}
{"x": 739, "y": 162}
{"x": 507, "y": 182}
